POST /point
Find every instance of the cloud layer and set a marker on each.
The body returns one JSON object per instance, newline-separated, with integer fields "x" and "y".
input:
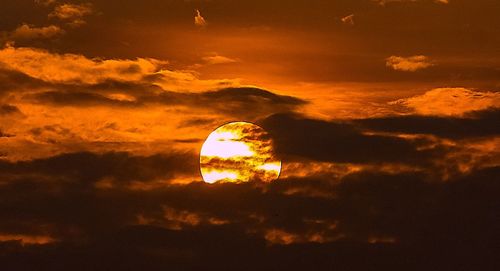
{"x": 384, "y": 115}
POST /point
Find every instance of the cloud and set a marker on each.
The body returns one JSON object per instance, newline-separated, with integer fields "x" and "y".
{"x": 67, "y": 68}
{"x": 218, "y": 59}
{"x": 199, "y": 20}
{"x": 13, "y": 81}
{"x": 76, "y": 80}
{"x": 45, "y": 2}
{"x": 408, "y": 64}
{"x": 27, "y": 239}
{"x": 7, "y": 109}
{"x": 78, "y": 69}
{"x": 372, "y": 216}
{"x": 27, "y": 32}
{"x": 246, "y": 102}
{"x": 73, "y": 13}
{"x": 4, "y": 135}
{"x": 250, "y": 100}
{"x": 450, "y": 101}
{"x": 65, "y": 98}
{"x": 136, "y": 109}
{"x": 474, "y": 124}
{"x": 120, "y": 167}
{"x": 319, "y": 140}
{"x": 349, "y": 19}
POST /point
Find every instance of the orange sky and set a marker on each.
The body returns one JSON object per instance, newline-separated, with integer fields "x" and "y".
{"x": 369, "y": 103}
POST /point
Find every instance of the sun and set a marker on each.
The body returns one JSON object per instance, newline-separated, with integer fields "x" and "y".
{"x": 239, "y": 152}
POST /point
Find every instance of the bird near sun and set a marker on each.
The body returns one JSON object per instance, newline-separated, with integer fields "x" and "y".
{"x": 239, "y": 152}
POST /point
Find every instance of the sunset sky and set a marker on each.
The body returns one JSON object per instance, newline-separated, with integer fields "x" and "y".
{"x": 384, "y": 114}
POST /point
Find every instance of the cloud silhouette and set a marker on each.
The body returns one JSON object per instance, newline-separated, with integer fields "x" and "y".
{"x": 341, "y": 142}
{"x": 474, "y": 124}
{"x": 7, "y": 109}
{"x": 373, "y": 215}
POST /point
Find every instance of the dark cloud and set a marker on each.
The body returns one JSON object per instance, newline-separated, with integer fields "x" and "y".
{"x": 342, "y": 142}
{"x": 252, "y": 102}
{"x": 3, "y": 134}
{"x": 87, "y": 168}
{"x": 73, "y": 195}
{"x": 485, "y": 123}
{"x": 189, "y": 140}
{"x": 67, "y": 98}
{"x": 391, "y": 221}
{"x": 7, "y": 109}
{"x": 198, "y": 122}
{"x": 243, "y": 101}
{"x": 11, "y": 81}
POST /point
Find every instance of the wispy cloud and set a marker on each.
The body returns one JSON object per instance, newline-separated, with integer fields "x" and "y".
{"x": 74, "y": 13}
{"x": 450, "y": 101}
{"x": 408, "y": 64}
{"x": 28, "y": 32}
{"x": 349, "y": 19}
{"x": 218, "y": 59}
{"x": 199, "y": 20}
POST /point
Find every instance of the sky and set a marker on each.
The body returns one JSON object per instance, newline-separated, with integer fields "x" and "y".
{"x": 385, "y": 115}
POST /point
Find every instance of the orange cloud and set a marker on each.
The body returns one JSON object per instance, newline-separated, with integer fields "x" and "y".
{"x": 199, "y": 20}
{"x": 349, "y": 19}
{"x": 72, "y": 12}
{"x": 68, "y": 68}
{"x": 175, "y": 219}
{"x": 450, "y": 101}
{"x": 78, "y": 69}
{"x": 27, "y": 239}
{"x": 408, "y": 64}
{"x": 27, "y": 32}
{"x": 218, "y": 59}
{"x": 282, "y": 237}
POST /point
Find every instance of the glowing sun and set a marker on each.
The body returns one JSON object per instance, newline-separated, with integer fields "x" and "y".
{"x": 239, "y": 152}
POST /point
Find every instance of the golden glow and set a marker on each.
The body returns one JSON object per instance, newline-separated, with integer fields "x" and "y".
{"x": 239, "y": 152}
{"x": 214, "y": 176}
{"x": 27, "y": 239}
{"x": 225, "y": 145}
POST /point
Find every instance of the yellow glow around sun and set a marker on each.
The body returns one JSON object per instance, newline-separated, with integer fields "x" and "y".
{"x": 239, "y": 152}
